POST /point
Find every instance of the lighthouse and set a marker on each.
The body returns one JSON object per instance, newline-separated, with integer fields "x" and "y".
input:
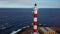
{"x": 35, "y": 19}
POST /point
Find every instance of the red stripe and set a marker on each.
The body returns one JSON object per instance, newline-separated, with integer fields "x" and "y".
{"x": 35, "y": 23}
{"x": 35, "y": 15}
{"x": 35, "y": 30}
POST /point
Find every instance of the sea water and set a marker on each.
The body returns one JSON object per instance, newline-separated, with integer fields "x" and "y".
{"x": 12, "y": 19}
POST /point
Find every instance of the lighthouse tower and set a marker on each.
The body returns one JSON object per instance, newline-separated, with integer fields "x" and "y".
{"x": 35, "y": 19}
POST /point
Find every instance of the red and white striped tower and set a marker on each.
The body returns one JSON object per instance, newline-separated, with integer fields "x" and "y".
{"x": 35, "y": 19}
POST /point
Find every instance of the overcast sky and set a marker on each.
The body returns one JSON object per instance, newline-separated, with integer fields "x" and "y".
{"x": 29, "y": 3}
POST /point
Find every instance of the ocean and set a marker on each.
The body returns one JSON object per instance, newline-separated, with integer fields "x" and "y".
{"x": 12, "y": 19}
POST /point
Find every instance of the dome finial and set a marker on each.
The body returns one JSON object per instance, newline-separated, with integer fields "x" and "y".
{"x": 35, "y": 4}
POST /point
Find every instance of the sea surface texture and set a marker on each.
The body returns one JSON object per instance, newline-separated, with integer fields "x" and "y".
{"x": 12, "y": 19}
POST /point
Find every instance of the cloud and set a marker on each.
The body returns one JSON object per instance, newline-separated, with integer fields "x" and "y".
{"x": 28, "y": 4}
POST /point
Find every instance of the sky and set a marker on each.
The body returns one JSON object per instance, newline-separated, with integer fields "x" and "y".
{"x": 29, "y": 3}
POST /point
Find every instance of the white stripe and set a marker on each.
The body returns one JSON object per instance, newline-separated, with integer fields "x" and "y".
{"x": 35, "y": 19}
{"x": 35, "y": 32}
{"x": 35, "y": 26}
{"x": 35, "y": 11}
